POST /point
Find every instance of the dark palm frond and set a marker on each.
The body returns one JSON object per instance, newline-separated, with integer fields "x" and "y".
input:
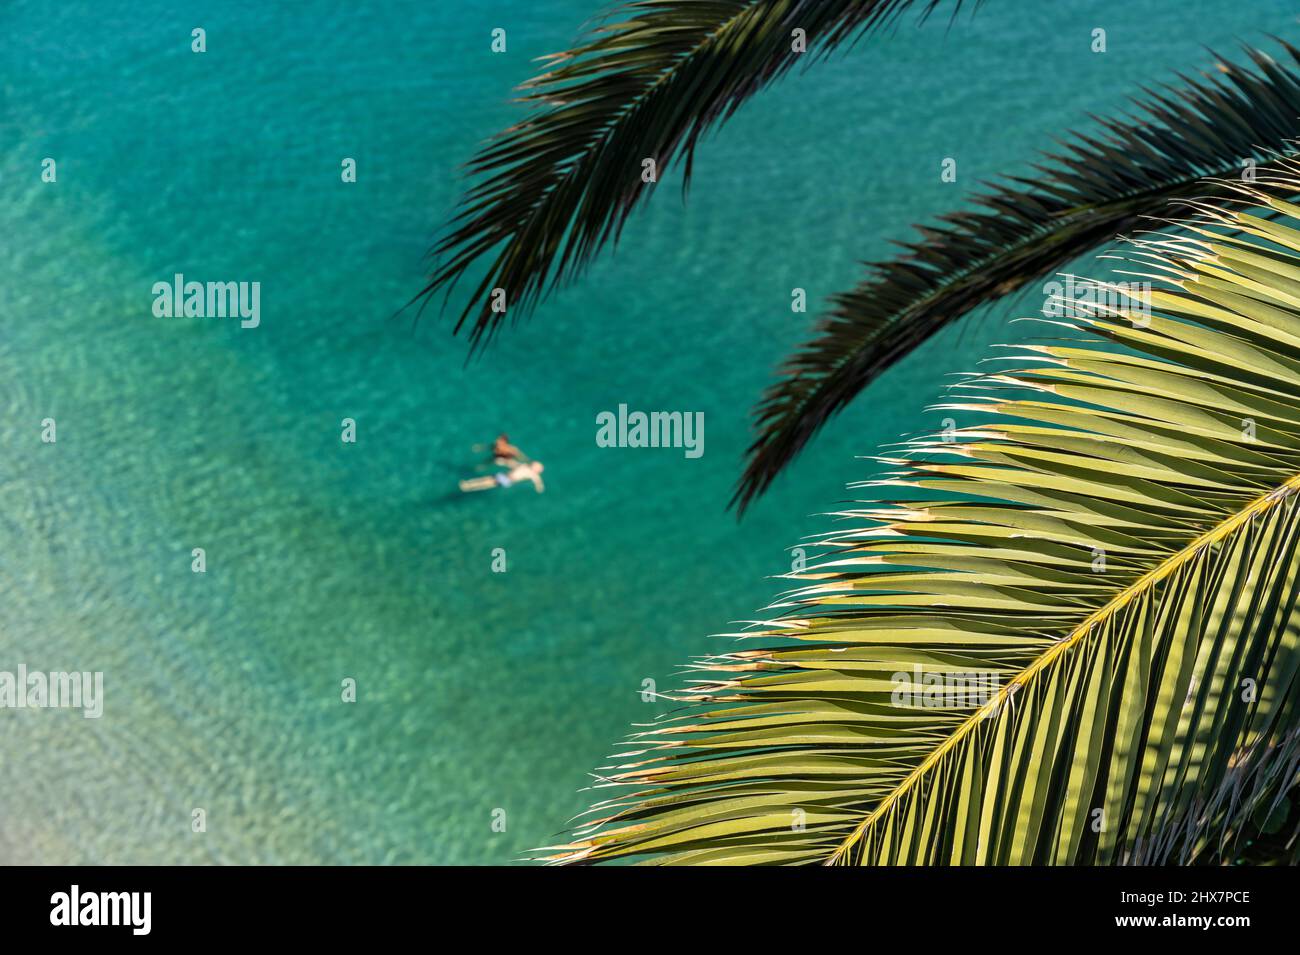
{"x": 1251, "y": 812}
{"x": 1082, "y": 197}
{"x": 1071, "y": 633}
{"x": 644, "y": 84}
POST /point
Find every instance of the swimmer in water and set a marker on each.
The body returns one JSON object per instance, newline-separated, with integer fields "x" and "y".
{"x": 506, "y": 454}
{"x": 532, "y": 471}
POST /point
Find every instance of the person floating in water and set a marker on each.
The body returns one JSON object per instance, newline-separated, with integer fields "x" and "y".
{"x": 506, "y": 454}
{"x": 521, "y": 471}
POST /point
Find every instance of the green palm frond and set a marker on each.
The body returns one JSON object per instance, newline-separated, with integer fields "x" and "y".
{"x": 644, "y": 84}
{"x": 1023, "y": 230}
{"x": 1071, "y": 632}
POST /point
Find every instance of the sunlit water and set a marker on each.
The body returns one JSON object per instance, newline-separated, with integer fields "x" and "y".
{"x": 476, "y": 691}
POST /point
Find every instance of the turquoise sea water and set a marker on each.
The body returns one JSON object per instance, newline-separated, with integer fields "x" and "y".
{"x": 477, "y": 691}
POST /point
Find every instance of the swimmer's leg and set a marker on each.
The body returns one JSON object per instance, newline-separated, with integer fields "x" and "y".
{"x": 478, "y": 484}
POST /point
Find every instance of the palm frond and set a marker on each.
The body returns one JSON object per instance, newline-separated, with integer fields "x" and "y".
{"x": 645, "y": 83}
{"x": 1071, "y": 632}
{"x": 1021, "y": 231}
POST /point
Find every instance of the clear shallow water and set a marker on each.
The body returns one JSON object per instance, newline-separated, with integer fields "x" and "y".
{"x": 476, "y": 691}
